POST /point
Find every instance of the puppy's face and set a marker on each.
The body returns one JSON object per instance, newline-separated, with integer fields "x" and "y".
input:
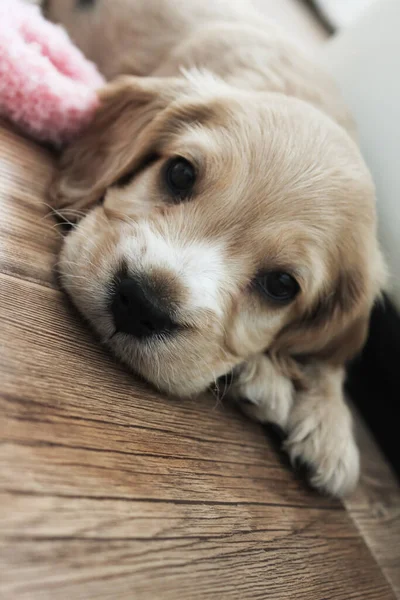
{"x": 218, "y": 225}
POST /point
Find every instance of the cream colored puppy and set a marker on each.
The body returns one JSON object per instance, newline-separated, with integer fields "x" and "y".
{"x": 227, "y": 219}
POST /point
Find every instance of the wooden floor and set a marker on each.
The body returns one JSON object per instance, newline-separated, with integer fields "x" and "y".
{"x": 108, "y": 490}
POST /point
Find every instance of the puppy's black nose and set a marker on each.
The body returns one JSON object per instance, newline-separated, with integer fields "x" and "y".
{"x": 136, "y": 310}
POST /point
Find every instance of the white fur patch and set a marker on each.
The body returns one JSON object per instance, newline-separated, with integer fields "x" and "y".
{"x": 268, "y": 394}
{"x": 199, "y": 266}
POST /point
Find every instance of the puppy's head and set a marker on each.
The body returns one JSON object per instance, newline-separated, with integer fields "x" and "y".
{"x": 217, "y": 224}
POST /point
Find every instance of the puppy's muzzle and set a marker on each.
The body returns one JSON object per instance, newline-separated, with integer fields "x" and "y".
{"x": 138, "y": 310}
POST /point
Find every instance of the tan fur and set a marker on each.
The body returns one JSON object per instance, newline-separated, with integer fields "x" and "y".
{"x": 280, "y": 185}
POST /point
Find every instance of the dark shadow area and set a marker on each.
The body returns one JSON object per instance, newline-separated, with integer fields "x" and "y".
{"x": 373, "y": 380}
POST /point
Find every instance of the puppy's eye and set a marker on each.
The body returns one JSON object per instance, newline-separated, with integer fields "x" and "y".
{"x": 278, "y": 286}
{"x": 180, "y": 177}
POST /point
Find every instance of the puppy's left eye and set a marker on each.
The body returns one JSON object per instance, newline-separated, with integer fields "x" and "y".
{"x": 278, "y": 286}
{"x": 180, "y": 176}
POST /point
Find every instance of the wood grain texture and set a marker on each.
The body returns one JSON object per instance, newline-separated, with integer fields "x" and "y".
{"x": 28, "y": 239}
{"x": 375, "y": 507}
{"x": 109, "y": 490}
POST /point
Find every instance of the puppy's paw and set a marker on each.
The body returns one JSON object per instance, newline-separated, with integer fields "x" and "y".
{"x": 262, "y": 392}
{"x": 321, "y": 437}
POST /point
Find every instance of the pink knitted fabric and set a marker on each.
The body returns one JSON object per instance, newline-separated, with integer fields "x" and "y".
{"x": 47, "y": 87}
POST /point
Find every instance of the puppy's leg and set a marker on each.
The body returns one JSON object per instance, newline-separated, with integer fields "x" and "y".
{"x": 120, "y": 36}
{"x": 134, "y": 37}
{"x": 262, "y": 392}
{"x": 320, "y": 434}
{"x": 317, "y": 421}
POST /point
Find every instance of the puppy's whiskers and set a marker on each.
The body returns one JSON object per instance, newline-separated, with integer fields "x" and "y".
{"x": 59, "y": 214}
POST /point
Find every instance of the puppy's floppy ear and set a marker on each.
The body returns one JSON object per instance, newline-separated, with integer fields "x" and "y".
{"x": 334, "y": 330}
{"x": 335, "y": 327}
{"x": 115, "y": 138}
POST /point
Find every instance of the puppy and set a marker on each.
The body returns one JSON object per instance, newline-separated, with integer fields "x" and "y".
{"x": 226, "y": 220}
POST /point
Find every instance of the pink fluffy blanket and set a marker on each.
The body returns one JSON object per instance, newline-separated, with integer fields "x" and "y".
{"x": 47, "y": 87}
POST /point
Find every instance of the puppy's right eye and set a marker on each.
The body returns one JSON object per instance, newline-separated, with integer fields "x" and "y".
{"x": 180, "y": 177}
{"x": 278, "y": 286}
